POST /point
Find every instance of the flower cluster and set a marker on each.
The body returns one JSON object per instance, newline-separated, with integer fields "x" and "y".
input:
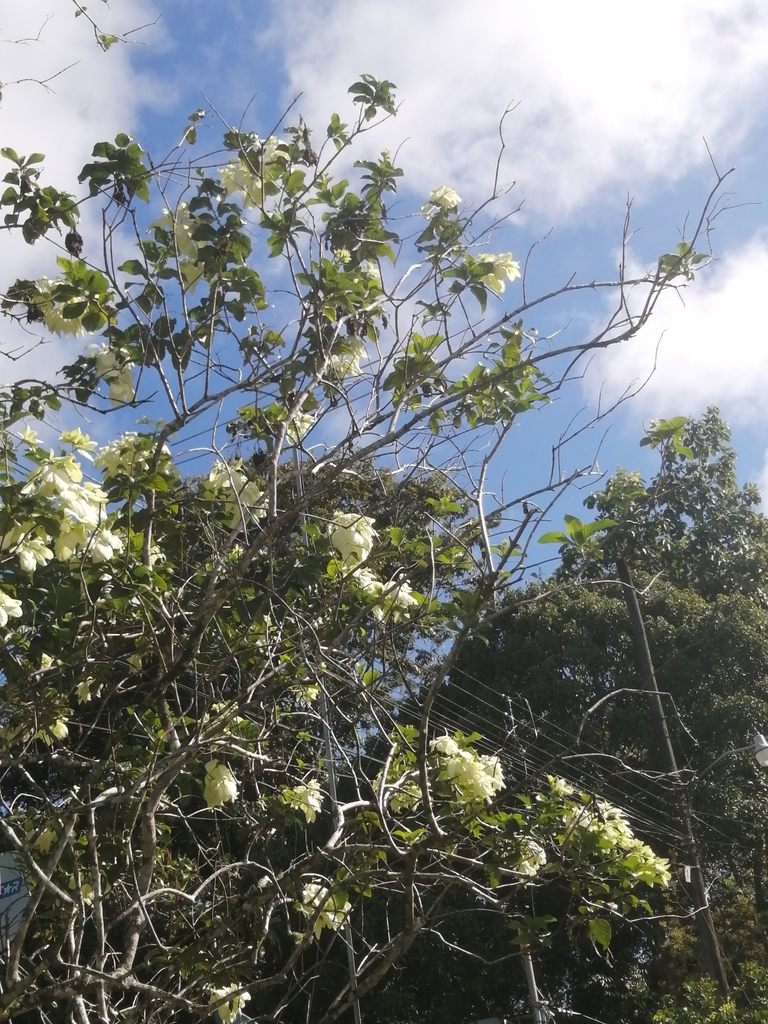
{"x": 498, "y": 270}
{"x": 335, "y": 907}
{"x": 130, "y": 456}
{"x": 52, "y": 311}
{"x": 242, "y": 496}
{"x": 441, "y": 199}
{"x": 353, "y": 536}
{"x": 182, "y": 223}
{"x": 475, "y": 777}
{"x": 220, "y": 784}
{"x": 57, "y": 482}
{"x": 347, "y": 363}
{"x": 306, "y": 798}
{"x": 114, "y": 367}
{"x": 532, "y": 859}
{"x": 228, "y": 1011}
{"x": 246, "y": 178}
{"x": 394, "y": 600}
{"x": 606, "y": 829}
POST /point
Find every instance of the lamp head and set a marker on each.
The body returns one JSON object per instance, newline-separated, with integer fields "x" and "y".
{"x": 761, "y": 749}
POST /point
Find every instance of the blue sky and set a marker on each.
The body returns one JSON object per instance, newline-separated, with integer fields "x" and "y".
{"x": 613, "y": 100}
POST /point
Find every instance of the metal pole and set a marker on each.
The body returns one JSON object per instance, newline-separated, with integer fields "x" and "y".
{"x": 346, "y": 931}
{"x": 703, "y": 916}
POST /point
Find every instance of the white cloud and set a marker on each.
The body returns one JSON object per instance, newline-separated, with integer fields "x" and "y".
{"x": 100, "y": 95}
{"x": 712, "y": 350}
{"x": 611, "y": 96}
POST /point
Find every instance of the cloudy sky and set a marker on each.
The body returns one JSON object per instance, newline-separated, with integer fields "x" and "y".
{"x": 610, "y": 100}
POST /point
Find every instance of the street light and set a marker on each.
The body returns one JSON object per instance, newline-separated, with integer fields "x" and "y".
{"x": 758, "y": 746}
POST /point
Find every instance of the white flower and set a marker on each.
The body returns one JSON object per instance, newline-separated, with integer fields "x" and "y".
{"x": 121, "y": 389}
{"x": 52, "y": 311}
{"x": 84, "y": 690}
{"x": 347, "y": 364}
{"x": 397, "y": 601}
{"x": 183, "y": 224}
{"x": 53, "y": 476}
{"x": 220, "y": 784}
{"x": 335, "y": 907}
{"x": 191, "y": 273}
{"x": 57, "y": 731}
{"x": 250, "y": 497}
{"x": 446, "y": 745}
{"x": 228, "y": 1011}
{"x": 246, "y": 179}
{"x": 104, "y": 546}
{"x": 28, "y": 436}
{"x": 10, "y": 608}
{"x": 533, "y": 858}
{"x": 114, "y": 367}
{"x": 71, "y": 537}
{"x": 80, "y": 441}
{"x": 45, "y": 841}
{"x": 306, "y": 798}
{"x": 33, "y": 552}
{"x": 238, "y": 179}
{"x": 352, "y": 535}
{"x": 442, "y": 198}
{"x": 299, "y": 427}
{"x": 476, "y": 777}
{"x": 499, "y": 269}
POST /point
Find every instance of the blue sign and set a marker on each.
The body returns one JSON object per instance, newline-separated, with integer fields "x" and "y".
{"x": 14, "y": 896}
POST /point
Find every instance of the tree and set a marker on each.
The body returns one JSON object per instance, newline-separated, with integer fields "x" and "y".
{"x": 555, "y": 680}
{"x": 205, "y": 778}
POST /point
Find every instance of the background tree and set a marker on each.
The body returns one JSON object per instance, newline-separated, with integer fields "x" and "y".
{"x": 555, "y": 679}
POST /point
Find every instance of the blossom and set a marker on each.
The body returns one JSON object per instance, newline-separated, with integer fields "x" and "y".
{"x": 191, "y": 273}
{"x": 114, "y": 367}
{"x": 442, "y": 198}
{"x": 352, "y": 535}
{"x": 52, "y": 311}
{"x": 80, "y": 441}
{"x": 306, "y": 798}
{"x": 477, "y": 777}
{"x": 10, "y": 608}
{"x": 29, "y": 436}
{"x": 533, "y": 858}
{"x": 182, "y": 223}
{"x": 83, "y": 690}
{"x": 246, "y": 178}
{"x": 300, "y": 425}
{"x": 249, "y": 496}
{"x": 130, "y": 455}
{"x": 397, "y": 601}
{"x": 335, "y": 906}
{"x": 71, "y": 537}
{"x": 56, "y": 731}
{"x": 228, "y": 1011}
{"x": 104, "y": 545}
{"x": 220, "y": 784}
{"x": 347, "y": 364}
{"x": 498, "y": 269}
{"x": 45, "y": 841}
{"x": 32, "y": 552}
{"x": 53, "y": 476}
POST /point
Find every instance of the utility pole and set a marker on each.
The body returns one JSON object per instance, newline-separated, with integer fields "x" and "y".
{"x": 704, "y": 923}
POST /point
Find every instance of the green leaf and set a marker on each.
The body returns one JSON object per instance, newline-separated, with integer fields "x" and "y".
{"x": 600, "y": 931}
